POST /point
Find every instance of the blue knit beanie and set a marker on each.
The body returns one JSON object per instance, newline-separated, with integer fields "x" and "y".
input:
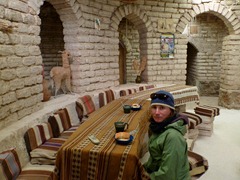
{"x": 163, "y": 98}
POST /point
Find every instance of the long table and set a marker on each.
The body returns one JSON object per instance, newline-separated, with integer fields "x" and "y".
{"x": 78, "y": 158}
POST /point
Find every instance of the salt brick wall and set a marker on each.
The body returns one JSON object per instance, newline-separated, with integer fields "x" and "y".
{"x": 95, "y": 52}
{"x": 230, "y": 84}
{"x": 20, "y": 63}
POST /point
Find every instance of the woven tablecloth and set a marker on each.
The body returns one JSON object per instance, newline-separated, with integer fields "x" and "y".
{"x": 80, "y": 159}
{"x": 181, "y": 93}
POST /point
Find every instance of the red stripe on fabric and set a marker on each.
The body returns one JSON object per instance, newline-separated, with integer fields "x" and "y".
{"x": 87, "y": 101}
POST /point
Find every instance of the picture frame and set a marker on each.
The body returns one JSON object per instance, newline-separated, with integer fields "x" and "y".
{"x": 167, "y": 43}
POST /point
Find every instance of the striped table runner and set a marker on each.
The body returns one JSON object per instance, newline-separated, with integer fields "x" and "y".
{"x": 80, "y": 159}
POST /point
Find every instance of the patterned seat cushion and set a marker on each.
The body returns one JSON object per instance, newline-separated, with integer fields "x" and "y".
{"x": 125, "y": 92}
{"x": 38, "y": 172}
{"x": 207, "y": 110}
{"x": 194, "y": 119}
{"x": 56, "y": 124}
{"x": 41, "y": 145}
{"x": 67, "y": 133}
{"x": 79, "y": 110}
{"x": 87, "y": 104}
{"x": 73, "y": 115}
{"x": 37, "y": 135}
{"x": 198, "y": 164}
{"x": 142, "y": 88}
{"x": 47, "y": 152}
{"x": 65, "y": 118}
{"x": 61, "y": 124}
{"x": 106, "y": 97}
{"x": 10, "y": 166}
{"x": 37, "y": 175}
{"x": 150, "y": 86}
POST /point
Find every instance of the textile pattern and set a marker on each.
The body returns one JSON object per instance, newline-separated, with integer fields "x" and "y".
{"x": 107, "y": 160}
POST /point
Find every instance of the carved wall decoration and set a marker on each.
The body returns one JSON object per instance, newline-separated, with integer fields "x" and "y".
{"x": 166, "y": 25}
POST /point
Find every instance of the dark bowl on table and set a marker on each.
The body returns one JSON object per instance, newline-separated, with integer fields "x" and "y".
{"x": 136, "y": 108}
{"x": 124, "y": 141}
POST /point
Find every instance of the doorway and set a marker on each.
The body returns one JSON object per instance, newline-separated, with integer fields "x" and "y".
{"x": 191, "y": 62}
{"x": 122, "y": 64}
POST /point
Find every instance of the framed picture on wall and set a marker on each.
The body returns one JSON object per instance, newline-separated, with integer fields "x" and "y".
{"x": 167, "y": 45}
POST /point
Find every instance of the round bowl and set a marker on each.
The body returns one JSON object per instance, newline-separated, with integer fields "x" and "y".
{"x": 136, "y": 108}
{"x": 125, "y": 141}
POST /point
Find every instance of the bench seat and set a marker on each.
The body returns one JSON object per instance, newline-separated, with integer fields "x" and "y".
{"x": 207, "y": 113}
{"x": 38, "y": 172}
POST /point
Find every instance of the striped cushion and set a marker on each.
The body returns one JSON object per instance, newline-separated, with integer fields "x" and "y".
{"x": 142, "y": 88}
{"x": 61, "y": 124}
{"x": 150, "y": 86}
{"x": 194, "y": 119}
{"x": 67, "y": 133}
{"x": 10, "y": 166}
{"x": 46, "y": 153}
{"x": 106, "y": 97}
{"x": 37, "y": 135}
{"x": 216, "y": 110}
{"x": 38, "y": 172}
{"x": 79, "y": 110}
{"x": 87, "y": 104}
{"x": 37, "y": 175}
{"x": 73, "y": 116}
{"x": 125, "y": 92}
{"x": 198, "y": 164}
{"x": 207, "y": 110}
{"x": 56, "y": 124}
{"x": 65, "y": 118}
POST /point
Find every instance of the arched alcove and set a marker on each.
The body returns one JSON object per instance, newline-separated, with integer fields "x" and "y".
{"x": 215, "y": 57}
{"x": 129, "y": 36}
{"x": 206, "y": 33}
{"x": 51, "y": 34}
{"x": 133, "y": 26}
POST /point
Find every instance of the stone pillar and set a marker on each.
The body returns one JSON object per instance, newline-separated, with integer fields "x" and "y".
{"x": 229, "y": 93}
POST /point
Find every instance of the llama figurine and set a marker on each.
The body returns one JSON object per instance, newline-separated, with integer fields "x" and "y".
{"x": 62, "y": 74}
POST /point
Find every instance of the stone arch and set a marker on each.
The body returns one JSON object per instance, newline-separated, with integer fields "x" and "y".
{"x": 133, "y": 12}
{"x": 69, "y": 14}
{"x": 141, "y": 22}
{"x": 138, "y": 17}
{"x": 229, "y": 18}
{"x": 229, "y": 54}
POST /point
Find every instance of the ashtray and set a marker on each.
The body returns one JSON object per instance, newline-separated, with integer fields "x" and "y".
{"x": 125, "y": 141}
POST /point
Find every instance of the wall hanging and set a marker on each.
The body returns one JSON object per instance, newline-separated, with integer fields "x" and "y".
{"x": 167, "y": 45}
